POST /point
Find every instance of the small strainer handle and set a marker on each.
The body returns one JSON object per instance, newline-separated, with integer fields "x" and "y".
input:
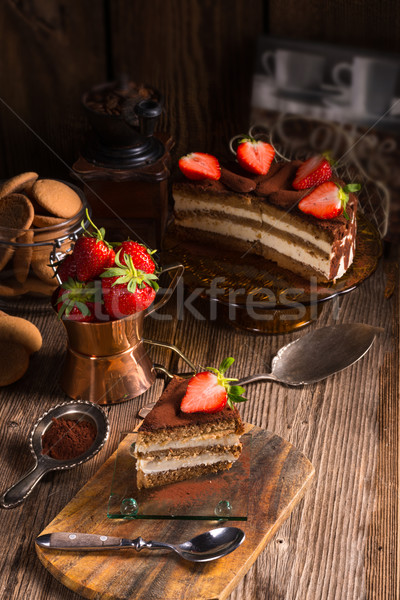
{"x": 22, "y": 488}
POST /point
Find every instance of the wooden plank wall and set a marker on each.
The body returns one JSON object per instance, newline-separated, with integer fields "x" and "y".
{"x": 198, "y": 53}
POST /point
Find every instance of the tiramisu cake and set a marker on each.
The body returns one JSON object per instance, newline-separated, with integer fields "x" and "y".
{"x": 173, "y": 445}
{"x": 264, "y": 214}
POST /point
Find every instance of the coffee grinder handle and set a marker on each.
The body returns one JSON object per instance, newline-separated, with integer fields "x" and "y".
{"x": 148, "y": 112}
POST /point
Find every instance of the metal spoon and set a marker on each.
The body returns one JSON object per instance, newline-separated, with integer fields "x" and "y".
{"x": 202, "y": 548}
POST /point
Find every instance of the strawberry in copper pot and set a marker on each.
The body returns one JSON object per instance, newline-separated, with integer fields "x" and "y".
{"x": 78, "y": 301}
{"x": 92, "y": 254}
{"x": 126, "y": 289}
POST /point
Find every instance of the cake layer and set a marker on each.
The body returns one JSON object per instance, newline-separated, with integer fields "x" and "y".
{"x": 206, "y": 440}
{"x": 256, "y": 214}
{"x": 155, "y": 464}
{"x": 316, "y": 265}
{"x": 165, "y": 477}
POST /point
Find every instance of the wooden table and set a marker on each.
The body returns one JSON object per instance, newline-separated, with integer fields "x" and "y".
{"x": 341, "y": 541}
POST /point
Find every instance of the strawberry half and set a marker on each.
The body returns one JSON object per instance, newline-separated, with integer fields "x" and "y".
{"x": 127, "y": 290}
{"x": 209, "y": 391}
{"x": 328, "y": 200}
{"x": 199, "y": 165}
{"x": 314, "y": 171}
{"x": 141, "y": 256}
{"x": 92, "y": 254}
{"x": 255, "y": 156}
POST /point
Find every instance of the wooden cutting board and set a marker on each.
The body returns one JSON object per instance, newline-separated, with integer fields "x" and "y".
{"x": 279, "y": 477}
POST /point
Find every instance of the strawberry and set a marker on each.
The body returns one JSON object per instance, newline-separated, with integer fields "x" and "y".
{"x": 328, "y": 200}
{"x": 92, "y": 254}
{"x": 127, "y": 290}
{"x": 255, "y": 156}
{"x": 66, "y": 268}
{"x": 314, "y": 171}
{"x": 141, "y": 256}
{"x": 209, "y": 391}
{"x": 199, "y": 165}
{"x": 77, "y": 301}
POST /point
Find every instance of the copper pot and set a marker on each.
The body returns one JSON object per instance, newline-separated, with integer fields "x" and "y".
{"x": 107, "y": 363}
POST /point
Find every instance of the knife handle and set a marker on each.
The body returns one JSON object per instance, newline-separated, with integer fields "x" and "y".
{"x": 83, "y": 541}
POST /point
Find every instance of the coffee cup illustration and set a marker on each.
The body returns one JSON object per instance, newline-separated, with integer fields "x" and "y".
{"x": 372, "y": 84}
{"x": 293, "y": 70}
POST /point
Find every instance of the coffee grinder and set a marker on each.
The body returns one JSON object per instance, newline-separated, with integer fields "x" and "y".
{"x": 124, "y": 165}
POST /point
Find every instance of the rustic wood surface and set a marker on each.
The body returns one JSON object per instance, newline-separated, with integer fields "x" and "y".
{"x": 341, "y": 541}
{"x": 279, "y": 478}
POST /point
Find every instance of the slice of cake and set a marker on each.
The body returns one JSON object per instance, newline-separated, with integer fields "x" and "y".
{"x": 173, "y": 445}
{"x": 259, "y": 214}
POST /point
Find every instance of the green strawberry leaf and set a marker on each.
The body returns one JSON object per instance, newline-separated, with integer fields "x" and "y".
{"x": 215, "y": 371}
{"x": 113, "y": 272}
{"x": 236, "y": 390}
{"x": 83, "y": 308}
{"x": 226, "y": 363}
{"x": 132, "y": 285}
{"x": 352, "y": 187}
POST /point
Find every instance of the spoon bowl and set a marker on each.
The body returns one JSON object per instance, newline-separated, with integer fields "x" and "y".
{"x": 207, "y": 546}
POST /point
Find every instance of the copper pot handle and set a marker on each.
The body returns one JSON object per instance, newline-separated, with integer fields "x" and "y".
{"x": 170, "y": 289}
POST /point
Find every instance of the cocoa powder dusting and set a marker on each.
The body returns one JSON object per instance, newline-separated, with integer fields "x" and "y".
{"x": 67, "y": 439}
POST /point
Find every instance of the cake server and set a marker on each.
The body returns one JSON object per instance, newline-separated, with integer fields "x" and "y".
{"x": 315, "y": 356}
{"x": 318, "y": 354}
{"x": 207, "y": 546}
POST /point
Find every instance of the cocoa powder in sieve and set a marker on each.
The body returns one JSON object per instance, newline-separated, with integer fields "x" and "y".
{"x": 67, "y": 439}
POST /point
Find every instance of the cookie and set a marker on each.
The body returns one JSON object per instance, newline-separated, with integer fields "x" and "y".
{"x": 46, "y": 221}
{"x": 20, "y": 331}
{"x": 43, "y": 270}
{"x": 23, "y": 256}
{"x": 10, "y": 288}
{"x": 36, "y": 287}
{"x": 16, "y": 212}
{"x": 18, "y": 183}
{"x": 57, "y": 198}
{"x": 14, "y": 362}
{"x": 5, "y": 255}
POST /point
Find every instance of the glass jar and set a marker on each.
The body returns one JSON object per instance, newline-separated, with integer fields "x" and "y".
{"x": 26, "y": 254}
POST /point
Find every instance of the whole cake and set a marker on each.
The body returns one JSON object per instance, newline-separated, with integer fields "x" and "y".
{"x": 173, "y": 445}
{"x": 264, "y": 214}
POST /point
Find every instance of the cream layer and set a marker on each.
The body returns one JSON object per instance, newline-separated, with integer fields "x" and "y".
{"x": 252, "y": 234}
{"x": 260, "y": 218}
{"x": 158, "y": 466}
{"x": 209, "y": 439}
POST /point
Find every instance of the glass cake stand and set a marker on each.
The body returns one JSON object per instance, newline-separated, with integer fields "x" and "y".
{"x": 254, "y": 294}
{"x": 217, "y": 496}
